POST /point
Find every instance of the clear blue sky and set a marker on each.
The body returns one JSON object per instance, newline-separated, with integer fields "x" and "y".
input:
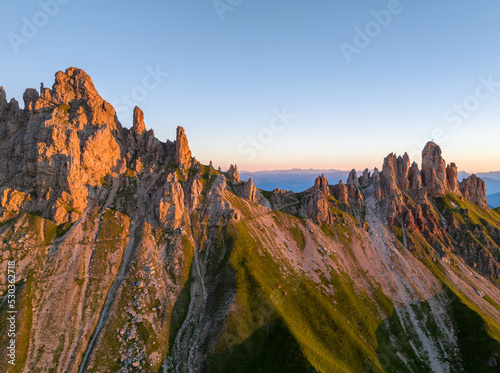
{"x": 230, "y": 72}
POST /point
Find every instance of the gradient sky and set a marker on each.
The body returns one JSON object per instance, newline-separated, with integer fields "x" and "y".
{"x": 421, "y": 77}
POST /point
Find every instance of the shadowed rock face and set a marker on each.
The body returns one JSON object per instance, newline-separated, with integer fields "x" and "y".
{"x": 132, "y": 256}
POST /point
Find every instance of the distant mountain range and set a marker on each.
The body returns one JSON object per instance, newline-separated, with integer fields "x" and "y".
{"x": 301, "y": 179}
{"x": 494, "y": 200}
{"x": 295, "y": 179}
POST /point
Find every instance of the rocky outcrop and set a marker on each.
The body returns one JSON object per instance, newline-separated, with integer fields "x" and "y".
{"x": 138, "y": 126}
{"x": 341, "y": 192}
{"x": 377, "y": 183}
{"x": 59, "y": 157}
{"x": 30, "y": 97}
{"x": 131, "y": 256}
{"x": 3, "y": 99}
{"x": 366, "y": 179}
{"x": 452, "y": 178}
{"x": 321, "y": 184}
{"x": 434, "y": 170}
{"x": 391, "y": 179}
{"x": 315, "y": 204}
{"x": 233, "y": 174}
{"x": 248, "y": 191}
{"x": 182, "y": 151}
{"x": 417, "y": 190}
{"x": 170, "y": 207}
{"x": 402, "y": 169}
{"x": 352, "y": 179}
{"x": 473, "y": 189}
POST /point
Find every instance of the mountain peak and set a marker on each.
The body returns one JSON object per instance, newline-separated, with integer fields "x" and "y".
{"x": 3, "y": 97}
{"x": 182, "y": 151}
{"x": 138, "y": 124}
{"x": 73, "y": 84}
{"x": 434, "y": 170}
{"x": 321, "y": 184}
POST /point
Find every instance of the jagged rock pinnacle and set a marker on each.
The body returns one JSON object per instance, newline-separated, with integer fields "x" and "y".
{"x": 138, "y": 126}
{"x": 452, "y": 178}
{"x": 249, "y": 190}
{"x": 353, "y": 179}
{"x": 3, "y": 98}
{"x": 233, "y": 174}
{"x": 321, "y": 184}
{"x": 434, "y": 170}
{"x": 474, "y": 190}
{"x": 30, "y": 97}
{"x": 182, "y": 152}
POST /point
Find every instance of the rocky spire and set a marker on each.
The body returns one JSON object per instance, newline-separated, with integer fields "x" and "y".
{"x": 343, "y": 193}
{"x": 249, "y": 190}
{"x": 30, "y": 97}
{"x": 377, "y": 183}
{"x": 138, "y": 127}
{"x": 388, "y": 175}
{"x": 73, "y": 84}
{"x": 402, "y": 168}
{"x": 452, "y": 178}
{"x": 352, "y": 179}
{"x": 3, "y": 98}
{"x": 321, "y": 184}
{"x": 434, "y": 170}
{"x": 182, "y": 152}
{"x": 415, "y": 183}
{"x": 233, "y": 174}
{"x": 74, "y": 88}
{"x": 474, "y": 190}
{"x": 366, "y": 178}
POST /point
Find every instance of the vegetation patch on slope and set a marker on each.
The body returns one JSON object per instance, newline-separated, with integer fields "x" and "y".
{"x": 333, "y": 334}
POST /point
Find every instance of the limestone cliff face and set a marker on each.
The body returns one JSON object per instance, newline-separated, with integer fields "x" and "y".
{"x": 57, "y": 142}
{"x": 67, "y": 142}
{"x": 133, "y": 256}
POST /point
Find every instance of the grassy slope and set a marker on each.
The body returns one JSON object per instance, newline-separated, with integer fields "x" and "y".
{"x": 345, "y": 333}
{"x": 277, "y": 314}
{"x": 478, "y": 335}
{"x": 333, "y": 334}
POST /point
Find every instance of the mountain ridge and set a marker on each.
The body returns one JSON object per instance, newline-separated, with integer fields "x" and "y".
{"x": 133, "y": 256}
{"x": 298, "y": 180}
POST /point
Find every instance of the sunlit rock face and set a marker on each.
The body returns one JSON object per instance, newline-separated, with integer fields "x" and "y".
{"x": 131, "y": 256}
